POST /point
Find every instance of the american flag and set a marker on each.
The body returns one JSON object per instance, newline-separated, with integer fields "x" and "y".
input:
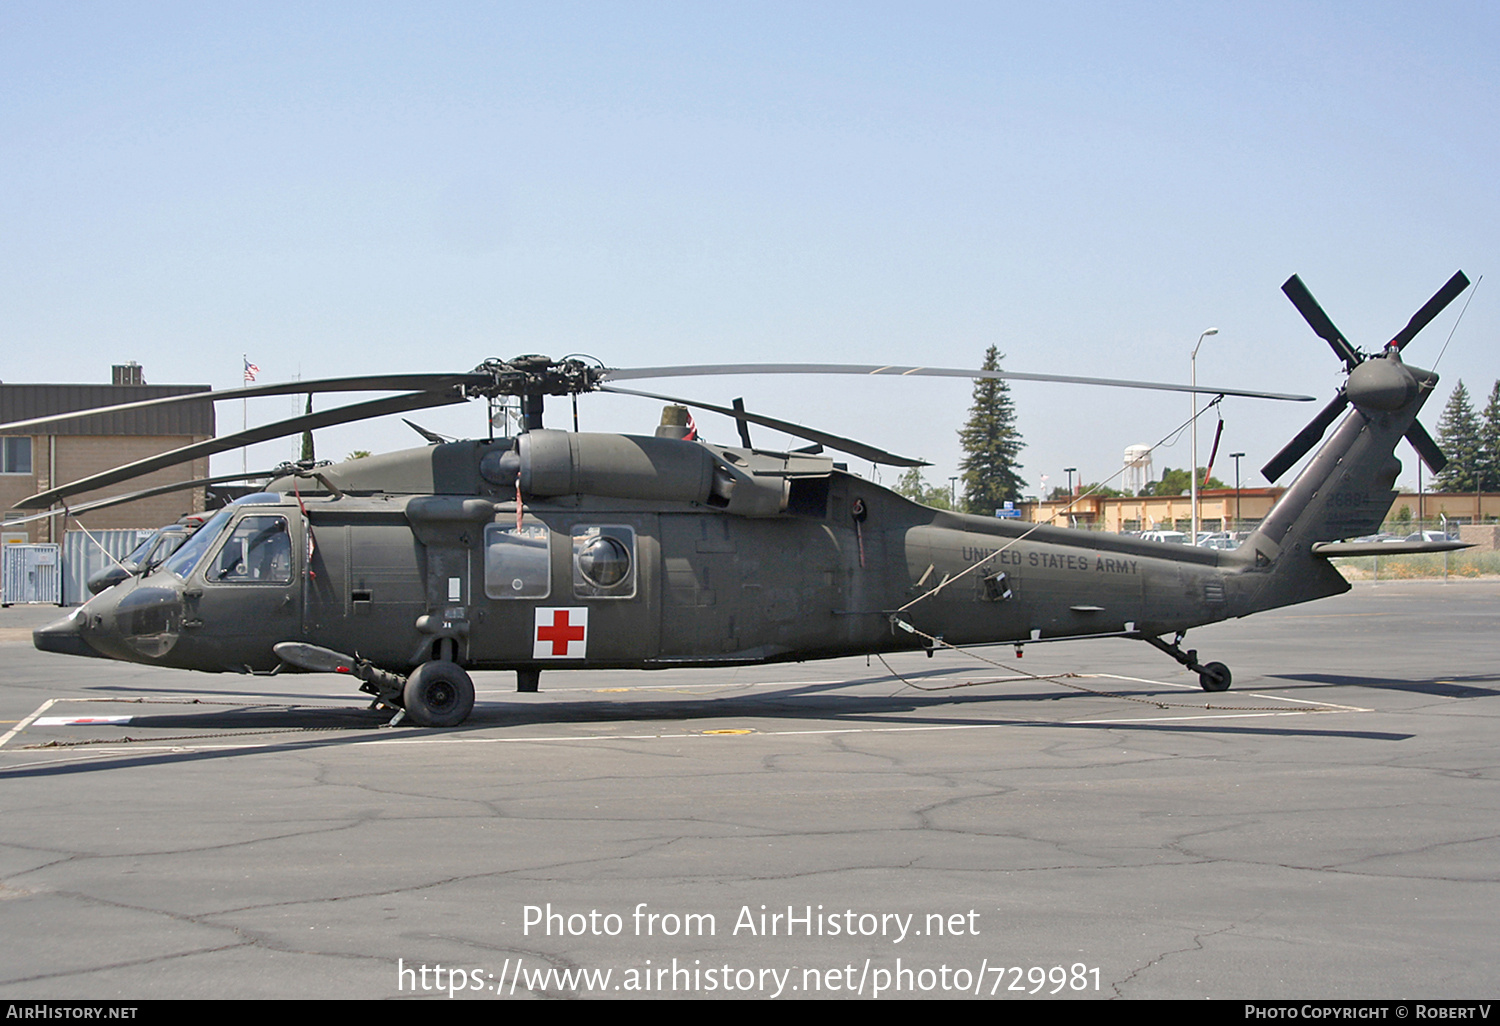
{"x": 250, "y": 371}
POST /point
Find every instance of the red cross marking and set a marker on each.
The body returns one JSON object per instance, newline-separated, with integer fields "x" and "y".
{"x": 560, "y": 633}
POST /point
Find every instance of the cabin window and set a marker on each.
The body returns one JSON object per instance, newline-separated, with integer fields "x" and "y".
{"x": 259, "y": 551}
{"x": 603, "y": 562}
{"x": 517, "y": 561}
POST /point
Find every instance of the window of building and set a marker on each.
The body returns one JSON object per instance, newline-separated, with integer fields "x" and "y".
{"x": 15, "y": 455}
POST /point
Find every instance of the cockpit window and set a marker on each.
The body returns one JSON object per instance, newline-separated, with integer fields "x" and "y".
{"x": 185, "y": 558}
{"x": 165, "y": 546}
{"x": 137, "y": 555}
{"x": 258, "y": 552}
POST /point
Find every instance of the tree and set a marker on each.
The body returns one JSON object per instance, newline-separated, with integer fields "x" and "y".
{"x": 1177, "y": 482}
{"x": 992, "y": 443}
{"x": 1489, "y": 442}
{"x": 307, "y": 439}
{"x": 1095, "y": 490}
{"x": 914, "y": 487}
{"x": 1458, "y": 437}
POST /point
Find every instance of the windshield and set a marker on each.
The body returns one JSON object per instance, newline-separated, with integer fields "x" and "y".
{"x": 138, "y": 553}
{"x": 185, "y": 558}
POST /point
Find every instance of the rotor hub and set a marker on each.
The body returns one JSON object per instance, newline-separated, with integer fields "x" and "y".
{"x": 536, "y": 375}
{"x": 1381, "y": 384}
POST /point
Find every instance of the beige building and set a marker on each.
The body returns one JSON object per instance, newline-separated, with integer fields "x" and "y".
{"x": 35, "y": 459}
{"x": 1227, "y": 509}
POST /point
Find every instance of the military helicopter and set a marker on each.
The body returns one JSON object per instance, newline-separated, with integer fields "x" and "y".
{"x": 571, "y": 550}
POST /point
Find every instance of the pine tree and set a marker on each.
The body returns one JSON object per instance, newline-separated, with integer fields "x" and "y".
{"x": 1489, "y": 442}
{"x": 1459, "y": 438}
{"x": 992, "y": 443}
{"x": 307, "y": 438}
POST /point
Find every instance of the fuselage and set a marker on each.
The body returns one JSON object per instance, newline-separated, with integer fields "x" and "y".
{"x": 816, "y": 564}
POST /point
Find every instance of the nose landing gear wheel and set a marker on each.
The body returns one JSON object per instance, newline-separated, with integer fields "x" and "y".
{"x": 1214, "y": 677}
{"x": 438, "y": 694}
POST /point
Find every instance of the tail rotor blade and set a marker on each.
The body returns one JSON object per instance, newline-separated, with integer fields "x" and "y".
{"x": 1445, "y": 295}
{"x": 1306, "y": 438}
{"x": 1308, "y": 307}
{"x": 1426, "y": 448}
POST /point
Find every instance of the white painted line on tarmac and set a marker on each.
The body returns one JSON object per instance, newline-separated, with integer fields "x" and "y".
{"x": 27, "y": 721}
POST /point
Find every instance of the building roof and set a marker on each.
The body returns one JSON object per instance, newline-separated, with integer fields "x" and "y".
{"x": 24, "y": 402}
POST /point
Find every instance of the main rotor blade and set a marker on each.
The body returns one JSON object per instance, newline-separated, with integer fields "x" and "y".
{"x": 365, "y": 383}
{"x": 1306, "y": 438}
{"x": 1308, "y": 307}
{"x": 628, "y": 373}
{"x": 1426, "y": 448}
{"x": 1445, "y": 295}
{"x": 849, "y": 445}
{"x": 145, "y": 493}
{"x": 306, "y": 422}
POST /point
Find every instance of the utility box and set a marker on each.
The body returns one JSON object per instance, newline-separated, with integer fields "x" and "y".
{"x": 30, "y": 574}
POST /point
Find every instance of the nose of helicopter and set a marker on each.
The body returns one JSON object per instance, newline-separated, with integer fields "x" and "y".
{"x": 65, "y": 635}
{"x": 129, "y": 621}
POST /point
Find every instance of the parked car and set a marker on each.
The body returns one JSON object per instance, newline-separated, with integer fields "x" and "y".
{"x": 1427, "y": 536}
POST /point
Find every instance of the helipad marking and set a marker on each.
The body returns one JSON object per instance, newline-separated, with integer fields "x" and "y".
{"x": 80, "y": 721}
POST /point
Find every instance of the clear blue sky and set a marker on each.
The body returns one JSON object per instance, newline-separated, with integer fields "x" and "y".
{"x": 340, "y": 188}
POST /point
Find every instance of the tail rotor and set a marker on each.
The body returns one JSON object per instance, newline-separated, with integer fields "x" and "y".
{"x": 1377, "y": 381}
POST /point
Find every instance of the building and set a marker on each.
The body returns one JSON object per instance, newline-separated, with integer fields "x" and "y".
{"x": 36, "y": 459}
{"x": 1229, "y": 509}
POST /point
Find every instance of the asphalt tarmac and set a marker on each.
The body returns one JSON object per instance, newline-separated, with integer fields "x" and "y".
{"x": 1326, "y": 829}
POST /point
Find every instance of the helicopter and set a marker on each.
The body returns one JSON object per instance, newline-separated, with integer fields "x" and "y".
{"x": 553, "y": 550}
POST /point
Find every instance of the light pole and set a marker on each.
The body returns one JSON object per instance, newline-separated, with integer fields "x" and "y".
{"x": 1070, "y": 472}
{"x": 1236, "y": 457}
{"x": 1193, "y": 427}
{"x": 953, "y": 493}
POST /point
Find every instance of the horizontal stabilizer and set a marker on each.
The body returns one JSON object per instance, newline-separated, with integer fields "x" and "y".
{"x": 1400, "y": 548}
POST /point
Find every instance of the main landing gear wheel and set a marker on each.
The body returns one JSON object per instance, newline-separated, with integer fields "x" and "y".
{"x": 1214, "y": 677}
{"x": 438, "y": 694}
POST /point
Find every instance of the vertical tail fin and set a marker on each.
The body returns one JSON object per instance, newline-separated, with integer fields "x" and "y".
{"x": 1348, "y": 487}
{"x": 1346, "y": 490}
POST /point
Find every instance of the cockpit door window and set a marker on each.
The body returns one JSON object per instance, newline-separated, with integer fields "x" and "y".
{"x": 259, "y": 551}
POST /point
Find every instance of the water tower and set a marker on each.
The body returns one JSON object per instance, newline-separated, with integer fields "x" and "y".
{"x": 1137, "y": 468}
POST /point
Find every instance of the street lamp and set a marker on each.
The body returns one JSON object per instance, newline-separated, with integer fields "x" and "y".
{"x": 1070, "y": 472}
{"x": 1193, "y": 427}
{"x": 1236, "y": 457}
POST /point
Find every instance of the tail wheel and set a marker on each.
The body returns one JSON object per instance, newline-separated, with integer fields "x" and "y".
{"x": 1214, "y": 677}
{"x": 438, "y": 694}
